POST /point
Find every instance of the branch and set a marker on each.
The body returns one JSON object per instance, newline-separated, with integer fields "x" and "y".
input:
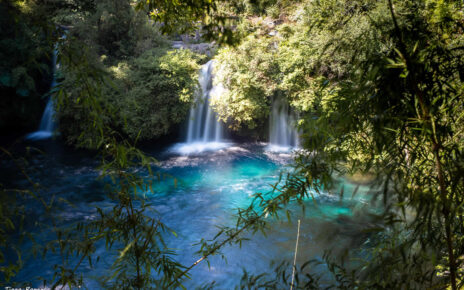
{"x": 213, "y": 250}
{"x": 296, "y": 251}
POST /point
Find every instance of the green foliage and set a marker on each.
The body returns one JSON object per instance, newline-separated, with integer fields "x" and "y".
{"x": 146, "y": 97}
{"x": 379, "y": 87}
{"x": 25, "y": 50}
{"x": 159, "y": 87}
{"x": 289, "y": 60}
{"x": 11, "y": 221}
{"x": 84, "y": 100}
{"x": 130, "y": 226}
{"x": 185, "y": 16}
{"x": 293, "y": 59}
{"x": 248, "y": 73}
{"x": 147, "y": 89}
{"x": 396, "y": 113}
{"x": 28, "y": 31}
{"x": 270, "y": 8}
{"x": 115, "y": 31}
{"x": 131, "y": 223}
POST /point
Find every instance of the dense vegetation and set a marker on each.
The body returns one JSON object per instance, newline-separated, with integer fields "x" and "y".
{"x": 377, "y": 85}
{"x": 25, "y": 67}
{"x": 143, "y": 75}
{"x": 379, "y": 88}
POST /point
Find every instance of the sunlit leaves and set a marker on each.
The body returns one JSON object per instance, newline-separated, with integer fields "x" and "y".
{"x": 184, "y": 16}
{"x": 382, "y": 90}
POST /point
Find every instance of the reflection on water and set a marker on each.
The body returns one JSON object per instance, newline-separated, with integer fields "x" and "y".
{"x": 209, "y": 188}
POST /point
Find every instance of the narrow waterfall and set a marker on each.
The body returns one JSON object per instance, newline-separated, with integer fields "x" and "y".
{"x": 204, "y": 131}
{"x": 203, "y": 125}
{"x": 283, "y": 133}
{"x": 47, "y": 123}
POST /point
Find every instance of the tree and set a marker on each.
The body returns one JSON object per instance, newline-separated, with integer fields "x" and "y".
{"x": 143, "y": 248}
{"x": 381, "y": 93}
{"x": 396, "y": 114}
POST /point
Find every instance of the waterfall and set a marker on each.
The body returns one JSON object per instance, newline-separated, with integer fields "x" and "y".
{"x": 47, "y": 123}
{"x": 204, "y": 131}
{"x": 203, "y": 125}
{"x": 283, "y": 133}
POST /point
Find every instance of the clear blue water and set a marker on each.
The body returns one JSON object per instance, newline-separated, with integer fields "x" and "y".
{"x": 210, "y": 187}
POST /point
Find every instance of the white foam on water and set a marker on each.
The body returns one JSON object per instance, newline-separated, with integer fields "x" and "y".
{"x": 39, "y": 135}
{"x": 198, "y": 147}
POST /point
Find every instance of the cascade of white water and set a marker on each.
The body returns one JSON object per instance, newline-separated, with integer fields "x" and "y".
{"x": 204, "y": 131}
{"x": 203, "y": 125}
{"x": 47, "y": 123}
{"x": 283, "y": 132}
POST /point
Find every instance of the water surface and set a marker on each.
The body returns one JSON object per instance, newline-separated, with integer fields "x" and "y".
{"x": 209, "y": 187}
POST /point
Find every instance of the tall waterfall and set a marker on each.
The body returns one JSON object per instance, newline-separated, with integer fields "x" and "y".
{"x": 204, "y": 131}
{"x": 203, "y": 125}
{"x": 283, "y": 133}
{"x": 47, "y": 123}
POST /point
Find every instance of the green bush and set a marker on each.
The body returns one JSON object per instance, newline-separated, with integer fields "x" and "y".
{"x": 145, "y": 96}
{"x": 159, "y": 88}
{"x": 148, "y": 88}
